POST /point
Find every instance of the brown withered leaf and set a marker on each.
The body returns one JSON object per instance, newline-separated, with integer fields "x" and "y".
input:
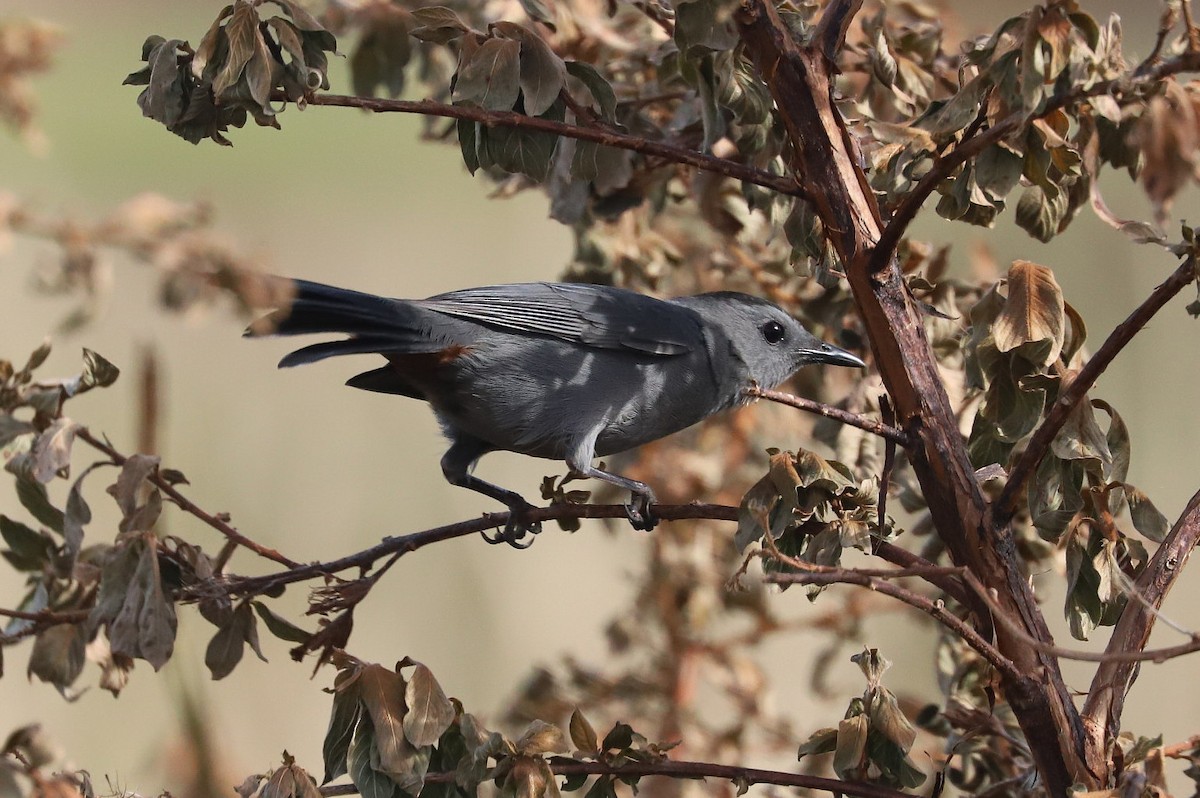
{"x": 363, "y": 757}
{"x": 343, "y": 719}
{"x": 542, "y": 73}
{"x": 225, "y": 649}
{"x": 128, "y": 487}
{"x": 583, "y": 734}
{"x": 51, "y": 453}
{"x": 58, "y": 655}
{"x": 491, "y": 77}
{"x": 437, "y": 24}
{"x": 1082, "y": 439}
{"x": 430, "y": 712}
{"x": 383, "y": 697}
{"x": 849, "y": 754}
{"x": 1168, "y": 136}
{"x": 140, "y": 618}
{"x": 383, "y": 51}
{"x": 1033, "y": 313}
{"x": 541, "y": 738}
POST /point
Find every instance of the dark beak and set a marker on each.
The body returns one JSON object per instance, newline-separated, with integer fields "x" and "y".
{"x": 828, "y": 353}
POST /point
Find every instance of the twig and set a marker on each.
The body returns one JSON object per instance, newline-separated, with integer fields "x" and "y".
{"x": 1075, "y": 391}
{"x": 945, "y": 166}
{"x": 49, "y": 616}
{"x": 404, "y": 544}
{"x": 186, "y": 504}
{"x": 1157, "y": 655}
{"x": 684, "y": 770}
{"x": 853, "y": 419}
{"x": 948, "y": 583}
{"x": 877, "y": 581}
{"x": 660, "y": 149}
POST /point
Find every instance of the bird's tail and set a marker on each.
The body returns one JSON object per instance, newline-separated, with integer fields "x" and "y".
{"x": 374, "y": 323}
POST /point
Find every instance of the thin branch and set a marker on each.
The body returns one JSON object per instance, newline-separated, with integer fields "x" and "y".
{"x": 48, "y": 617}
{"x": 946, "y": 165}
{"x": 1075, "y": 391}
{"x": 405, "y": 544}
{"x": 186, "y": 504}
{"x": 1157, "y": 655}
{"x": 950, "y": 584}
{"x": 638, "y": 144}
{"x": 837, "y": 414}
{"x": 1112, "y": 680}
{"x": 684, "y": 770}
{"x": 877, "y": 581}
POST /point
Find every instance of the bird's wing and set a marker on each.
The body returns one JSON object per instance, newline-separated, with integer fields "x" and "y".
{"x": 597, "y": 316}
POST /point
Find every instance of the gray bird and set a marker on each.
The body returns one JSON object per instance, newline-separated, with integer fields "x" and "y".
{"x": 562, "y": 371}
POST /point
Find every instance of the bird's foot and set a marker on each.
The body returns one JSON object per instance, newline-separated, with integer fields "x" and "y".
{"x": 638, "y": 510}
{"x": 518, "y": 527}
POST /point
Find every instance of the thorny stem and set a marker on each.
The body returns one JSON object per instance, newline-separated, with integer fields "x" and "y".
{"x": 639, "y": 144}
{"x": 684, "y": 770}
{"x": 1076, "y": 390}
{"x": 871, "y": 425}
{"x": 186, "y": 504}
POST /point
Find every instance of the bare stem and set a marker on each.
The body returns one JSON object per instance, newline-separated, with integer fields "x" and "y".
{"x": 608, "y": 138}
{"x": 837, "y": 414}
{"x": 187, "y": 505}
{"x": 685, "y": 770}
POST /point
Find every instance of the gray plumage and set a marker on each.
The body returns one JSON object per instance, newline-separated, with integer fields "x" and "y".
{"x": 557, "y": 370}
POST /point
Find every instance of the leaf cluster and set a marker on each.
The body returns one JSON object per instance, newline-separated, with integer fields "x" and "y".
{"x": 242, "y": 59}
{"x": 812, "y": 509}
{"x": 1020, "y": 348}
{"x": 872, "y": 741}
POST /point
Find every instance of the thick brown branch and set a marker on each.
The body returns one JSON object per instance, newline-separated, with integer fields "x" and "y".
{"x": 686, "y": 770}
{"x": 837, "y": 414}
{"x": 638, "y": 144}
{"x": 1112, "y": 680}
{"x": 186, "y": 504}
{"x": 1076, "y": 390}
{"x": 826, "y": 154}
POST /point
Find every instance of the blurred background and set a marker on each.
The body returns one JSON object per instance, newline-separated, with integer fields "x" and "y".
{"x": 316, "y": 470}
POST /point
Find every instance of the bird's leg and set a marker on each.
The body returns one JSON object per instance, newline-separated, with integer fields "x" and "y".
{"x": 456, "y": 466}
{"x": 642, "y": 497}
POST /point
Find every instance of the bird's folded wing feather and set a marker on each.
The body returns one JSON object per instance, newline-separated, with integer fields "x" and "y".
{"x": 592, "y": 315}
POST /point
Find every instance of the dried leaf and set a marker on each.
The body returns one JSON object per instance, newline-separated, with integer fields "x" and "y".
{"x": 343, "y": 720}
{"x": 1032, "y": 314}
{"x": 583, "y": 735}
{"x": 363, "y": 755}
{"x": 58, "y": 655}
{"x": 600, "y": 89}
{"x": 541, "y": 738}
{"x": 491, "y": 76}
{"x": 134, "y": 473}
{"x": 279, "y": 626}
{"x": 51, "y": 451}
{"x": 430, "y": 712}
{"x": 383, "y": 697}
{"x": 1147, "y": 519}
{"x": 850, "y": 753}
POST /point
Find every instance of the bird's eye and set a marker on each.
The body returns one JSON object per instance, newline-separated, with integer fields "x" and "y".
{"x": 773, "y": 332}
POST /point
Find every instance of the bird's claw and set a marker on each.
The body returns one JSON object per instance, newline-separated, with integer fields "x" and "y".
{"x": 516, "y": 529}
{"x": 638, "y": 511}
